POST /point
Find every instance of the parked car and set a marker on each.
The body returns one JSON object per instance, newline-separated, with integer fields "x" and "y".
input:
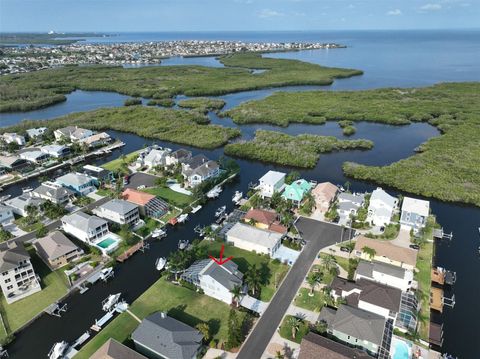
{"x": 414, "y": 246}
{"x": 345, "y": 249}
{"x": 141, "y": 187}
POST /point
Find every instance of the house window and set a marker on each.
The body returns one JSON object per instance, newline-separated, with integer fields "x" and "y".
{"x": 9, "y": 287}
{"x": 8, "y": 280}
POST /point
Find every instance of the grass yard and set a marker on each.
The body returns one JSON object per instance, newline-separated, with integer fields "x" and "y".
{"x": 53, "y": 287}
{"x": 181, "y": 303}
{"x": 286, "y": 329}
{"x": 172, "y": 197}
{"x": 327, "y": 277}
{"x": 314, "y": 303}
{"x": 170, "y": 214}
{"x": 272, "y": 273}
{"x": 116, "y": 164}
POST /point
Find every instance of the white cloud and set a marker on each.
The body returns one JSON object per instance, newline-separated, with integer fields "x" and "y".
{"x": 431, "y": 7}
{"x": 395, "y": 12}
{"x": 266, "y": 13}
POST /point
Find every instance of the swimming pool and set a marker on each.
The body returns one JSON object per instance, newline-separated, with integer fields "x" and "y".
{"x": 107, "y": 242}
{"x": 400, "y": 349}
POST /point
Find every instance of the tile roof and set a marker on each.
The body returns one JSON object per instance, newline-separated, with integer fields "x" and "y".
{"x": 137, "y": 197}
{"x": 388, "y": 250}
{"x": 315, "y": 346}
{"x": 261, "y": 216}
{"x": 326, "y": 190}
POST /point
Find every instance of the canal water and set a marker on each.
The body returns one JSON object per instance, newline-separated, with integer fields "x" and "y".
{"x": 392, "y": 143}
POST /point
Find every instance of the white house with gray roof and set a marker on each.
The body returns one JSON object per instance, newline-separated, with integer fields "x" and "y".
{"x": 348, "y": 204}
{"x": 119, "y": 211}
{"x": 381, "y": 207}
{"x": 385, "y": 273}
{"x": 80, "y": 183}
{"x": 415, "y": 213}
{"x": 6, "y": 214}
{"x": 17, "y": 276}
{"x": 53, "y": 192}
{"x": 85, "y": 227}
{"x": 250, "y": 238}
{"x": 56, "y": 249}
{"x": 198, "y": 169}
{"x": 14, "y": 138}
{"x": 56, "y": 151}
{"x": 156, "y": 157}
{"x": 271, "y": 182}
{"x": 20, "y": 204}
{"x": 72, "y": 133}
{"x": 36, "y": 156}
{"x": 162, "y": 337}
{"x": 36, "y": 132}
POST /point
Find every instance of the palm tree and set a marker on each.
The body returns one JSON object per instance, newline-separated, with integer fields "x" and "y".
{"x": 313, "y": 280}
{"x": 294, "y": 323}
{"x": 329, "y": 262}
{"x": 279, "y": 355}
{"x": 369, "y": 252}
{"x": 204, "y": 329}
{"x": 253, "y": 278}
{"x": 236, "y": 294}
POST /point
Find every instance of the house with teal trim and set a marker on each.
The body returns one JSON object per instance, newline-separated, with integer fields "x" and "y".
{"x": 296, "y": 191}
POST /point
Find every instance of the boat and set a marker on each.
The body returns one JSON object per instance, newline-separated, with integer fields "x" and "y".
{"x": 182, "y": 218}
{"x": 182, "y": 244}
{"x": 106, "y": 273}
{"x": 158, "y": 233}
{"x": 58, "y": 350}
{"x": 27, "y": 189}
{"x": 199, "y": 230}
{"x": 220, "y": 211}
{"x": 160, "y": 263}
{"x": 237, "y": 197}
{"x": 196, "y": 209}
{"x": 214, "y": 192}
{"x": 4, "y": 198}
{"x": 110, "y": 302}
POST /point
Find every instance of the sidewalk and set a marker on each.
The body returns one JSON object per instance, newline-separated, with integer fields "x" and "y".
{"x": 306, "y": 314}
{"x": 278, "y": 344}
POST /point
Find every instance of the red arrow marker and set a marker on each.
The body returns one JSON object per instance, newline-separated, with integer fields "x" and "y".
{"x": 221, "y": 261}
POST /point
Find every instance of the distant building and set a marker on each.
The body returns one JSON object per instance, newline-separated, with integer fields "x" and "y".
{"x": 198, "y": 169}
{"x": 53, "y": 192}
{"x": 179, "y": 156}
{"x": 415, "y": 213}
{"x": 384, "y": 273}
{"x": 265, "y": 220}
{"x": 6, "y": 214}
{"x": 324, "y": 195}
{"x": 115, "y": 350}
{"x": 314, "y": 346}
{"x": 79, "y": 183}
{"x": 84, "y": 227}
{"x": 381, "y": 207}
{"x": 149, "y": 205}
{"x": 72, "y": 133}
{"x": 56, "y": 151}
{"x": 251, "y": 238}
{"x": 57, "y": 250}
{"x": 216, "y": 281}
{"x": 296, "y": 191}
{"x": 13, "y": 163}
{"x": 14, "y": 138}
{"x": 36, "y": 132}
{"x": 20, "y": 204}
{"x": 162, "y": 337}
{"x": 17, "y": 279}
{"x": 96, "y": 140}
{"x": 348, "y": 204}
{"x": 119, "y": 211}
{"x": 156, "y": 157}
{"x": 36, "y": 157}
{"x": 270, "y": 183}
{"x": 100, "y": 174}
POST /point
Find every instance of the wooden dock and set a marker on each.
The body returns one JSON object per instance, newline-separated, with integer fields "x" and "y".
{"x": 131, "y": 251}
{"x": 436, "y": 299}
{"x": 438, "y": 276}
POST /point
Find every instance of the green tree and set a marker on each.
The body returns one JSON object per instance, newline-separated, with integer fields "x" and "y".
{"x": 276, "y": 200}
{"x": 370, "y": 252}
{"x": 253, "y": 278}
{"x": 234, "y": 336}
{"x": 292, "y": 177}
{"x": 161, "y": 182}
{"x": 294, "y": 324}
{"x": 329, "y": 262}
{"x": 313, "y": 281}
{"x": 236, "y": 294}
{"x": 4, "y": 235}
{"x": 204, "y": 329}
{"x": 42, "y": 231}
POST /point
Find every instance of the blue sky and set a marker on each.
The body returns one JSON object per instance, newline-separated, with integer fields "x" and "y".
{"x": 204, "y": 15}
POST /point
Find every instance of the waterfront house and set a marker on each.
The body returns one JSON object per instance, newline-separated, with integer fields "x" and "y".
{"x": 36, "y": 132}
{"x": 149, "y": 205}
{"x": 115, "y": 350}
{"x": 270, "y": 183}
{"x": 13, "y": 163}
{"x": 348, "y": 205}
{"x": 72, "y": 133}
{"x": 85, "y": 227}
{"x": 36, "y": 157}
{"x": 199, "y": 169}
{"x": 263, "y": 219}
{"x": 324, "y": 194}
{"x": 358, "y": 328}
{"x": 6, "y": 214}
{"x": 381, "y": 207}
{"x": 415, "y": 213}
{"x": 162, "y": 337}
{"x": 101, "y": 175}
{"x": 250, "y": 238}
{"x": 56, "y": 151}
{"x": 216, "y": 281}
{"x": 156, "y": 157}
{"x": 119, "y": 211}
{"x": 385, "y": 273}
{"x": 179, "y": 156}
{"x": 296, "y": 191}
{"x": 96, "y": 140}
{"x": 314, "y": 346}
{"x": 53, "y": 192}
{"x": 17, "y": 276}
{"x": 80, "y": 183}
{"x": 14, "y": 138}
{"x": 20, "y": 204}
{"x": 386, "y": 252}
{"x": 57, "y": 250}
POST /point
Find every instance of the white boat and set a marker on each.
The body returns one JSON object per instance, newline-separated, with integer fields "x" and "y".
{"x": 214, "y": 192}
{"x": 110, "y": 302}
{"x": 220, "y": 211}
{"x": 58, "y": 350}
{"x": 237, "y": 197}
{"x": 196, "y": 209}
{"x": 27, "y": 189}
{"x": 182, "y": 218}
{"x": 106, "y": 273}
{"x": 182, "y": 244}
{"x": 199, "y": 230}
{"x": 158, "y": 233}
{"x": 160, "y": 263}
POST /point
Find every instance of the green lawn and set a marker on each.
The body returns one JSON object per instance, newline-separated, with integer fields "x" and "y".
{"x": 286, "y": 330}
{"x": 327, "y": 277}
{"x": 273, "y": 273}
{"x": 172, "y": 197}
{"x": 53, "y": 287}
{"x": 314, "y": 303}
{"x": 117, "y": 163}
{"x": 181, "y": 303}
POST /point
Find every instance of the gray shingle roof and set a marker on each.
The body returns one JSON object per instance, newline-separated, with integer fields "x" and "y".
{"x": 354, "y": 198}
{"x": 83, "y": 221}
{"x": 118, "y": 206}
{"x": 76, "y": 179}
{"x": 53, "y": 191}
{"x": 54, "y": 245}
{"x": 227, "y": 274}
{"x": 380, "y": 294}
{"x": 196, "y": 161}
{"x": 366, "y": 269}
{"x": 167, "y": 336}
{"x": 115, "y": 350}
{"x": 11, "y": 254}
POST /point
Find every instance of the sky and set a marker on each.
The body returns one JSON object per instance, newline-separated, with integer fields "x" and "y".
{"x": 235, "y": 15}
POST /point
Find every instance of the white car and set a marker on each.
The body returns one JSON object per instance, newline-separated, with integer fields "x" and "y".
{"x": 141, "y": 187}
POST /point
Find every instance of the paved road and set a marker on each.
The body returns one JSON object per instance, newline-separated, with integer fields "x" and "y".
{"x": 318, "y": 235}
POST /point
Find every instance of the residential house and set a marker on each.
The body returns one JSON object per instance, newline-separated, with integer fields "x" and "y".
{"x": 415, "y": 213}
{"x": 57, "y": 250}
{"x": 84, "y": 227}
{"x": 149, "y": 205}
{"x": 385, "y": 273}
{"x": 36, "y": 132}
{"x": 101, "y": 175}
{"x": 270, "y": 183}
{"x": 14, "y": 138}
{"x": 56, "y": 151}
{"x": 17, "y": 276}
{"x": 13, "y": 163}
{"x": 6, "y": 214}
{"x": 198, "y": 169}
{"x": 53, "y": 192}
{"x": 386, "y": 252}
{"x": 263, "y": 219}
{"x": 119, "y": 211}
{"x": 80, "y": 183}
{"x": 358, "y": 328}
{"x": 20, "y": 204}
{"x": 162, "y": 337}
{"x": 115, "y": 350}
{"x": 96, "y": 140}
{"x": 251, "y": 238}
{"x": 179, "y": 156}
{"x": 348, "y": 204}
{"x": 156, "y": 157}
{"x": 314, "y": 346}
{"x": 296, "y": 191}
{"x": 72, "y": 133}
{"x": 381, "y": 207}
{"x": 36, "y": 157}
{"x": 216, "y": 281}
{"x": 324, "y": 194}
